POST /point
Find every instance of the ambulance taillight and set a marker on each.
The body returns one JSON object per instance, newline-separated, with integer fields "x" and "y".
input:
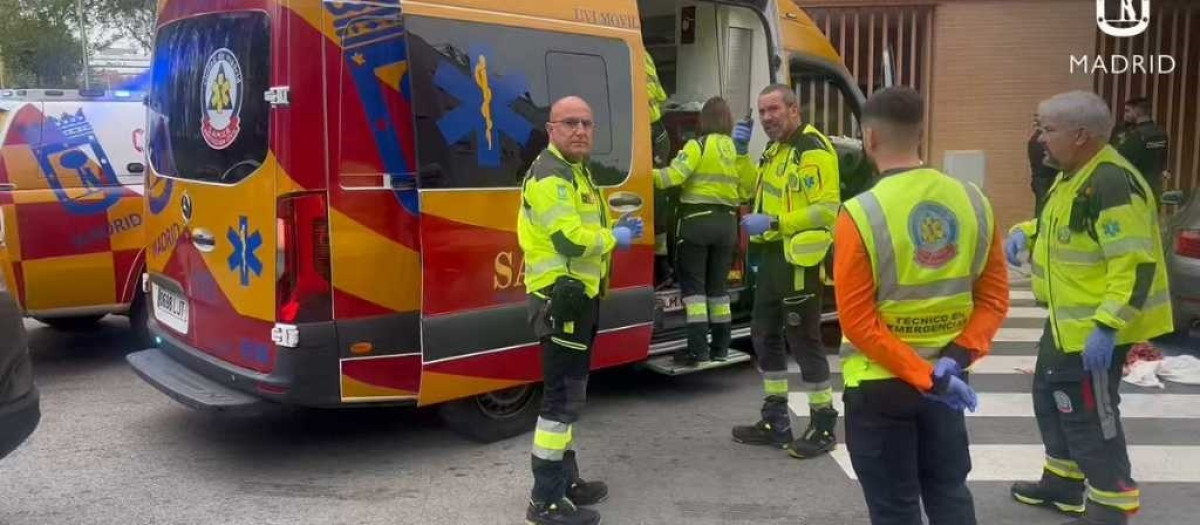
{"x": 304, "y": 293}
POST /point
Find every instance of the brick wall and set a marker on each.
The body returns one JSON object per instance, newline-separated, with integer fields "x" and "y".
{"x": 993, "y": 61}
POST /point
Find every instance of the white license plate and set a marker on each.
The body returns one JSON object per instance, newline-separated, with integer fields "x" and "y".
{"x": 170, "y": 308}
{"x": 669, "y": 300}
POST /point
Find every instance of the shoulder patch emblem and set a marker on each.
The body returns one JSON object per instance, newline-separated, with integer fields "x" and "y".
{"x": 1063, "y": 401}
{"x": 1112, "y": 228}
{"x": 1064, "y": 235}
{"x": 934, "y": 232}
{"x": 562, "y": 193}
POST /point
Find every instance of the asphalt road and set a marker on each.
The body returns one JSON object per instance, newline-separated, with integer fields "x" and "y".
{"x": 111, "y": 449}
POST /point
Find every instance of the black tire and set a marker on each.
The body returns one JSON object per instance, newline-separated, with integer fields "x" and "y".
{"x": 139, "y": 317}
{"x": 72, "y": 324}
{"x": 494, "y": 416}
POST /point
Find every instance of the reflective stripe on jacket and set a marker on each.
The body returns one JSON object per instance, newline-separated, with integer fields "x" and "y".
{"x": 710, "y": 171}
{"x": 928, "y": 236}
{"x": 563, "y": 224}
{"x": 1098, "y": 257}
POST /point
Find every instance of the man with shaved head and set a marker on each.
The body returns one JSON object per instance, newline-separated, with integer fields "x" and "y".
{"x": 568, "y": 239}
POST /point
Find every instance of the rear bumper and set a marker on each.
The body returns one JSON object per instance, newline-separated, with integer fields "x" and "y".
{"x": 1184, "y": 277}
{"x": 304, "y": 376}
{"x": 188, "y": 387}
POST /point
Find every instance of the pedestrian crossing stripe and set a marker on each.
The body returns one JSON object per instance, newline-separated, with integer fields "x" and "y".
{"x": 1020, "y": 295}
{"x": 1151, "y": 464}
{"x": 1025, "y": 312}
{"x": 1020, "y": 405}
{"x": 1011, "y": 462}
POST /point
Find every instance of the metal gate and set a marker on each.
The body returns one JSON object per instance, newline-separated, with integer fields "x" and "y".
{"x": 880, "y": 42}
{"x": 1174, "y": 30}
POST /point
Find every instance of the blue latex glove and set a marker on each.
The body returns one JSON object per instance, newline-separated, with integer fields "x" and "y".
{"x": 959, "y": 395}
{"x": 1016, "y": 242}
{"x": 756, "y": 223}
{"x": 624, "y": 237}
{"x": 945, "y": 366}
{"x": 1098, "y": 350}
{"x": 741, "y": 136}
{"x": 634, "y": 224}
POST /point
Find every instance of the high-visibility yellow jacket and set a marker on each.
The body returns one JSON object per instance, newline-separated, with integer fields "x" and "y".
{"x": 1097, "y": 255}
{"x": 563, "y": 225}
{"x": 654, "y": 89}
{"x": 710, "y": 171}
{"x": 928, "y": 237}
{"x": 799, "y": 185}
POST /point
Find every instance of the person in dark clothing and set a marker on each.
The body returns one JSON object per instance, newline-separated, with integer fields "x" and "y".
{"x": 1143, "y": 143}
{"x": 1041, "y": 175}
{"x": 19, "y": 405}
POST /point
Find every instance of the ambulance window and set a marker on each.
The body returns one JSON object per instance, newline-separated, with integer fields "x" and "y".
{"x": 464, "y": 143}
{"x": 207, "y": 116}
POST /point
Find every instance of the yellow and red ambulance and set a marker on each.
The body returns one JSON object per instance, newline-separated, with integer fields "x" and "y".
{"x": 333, "y": 186}
{"x": 71, "y": 206}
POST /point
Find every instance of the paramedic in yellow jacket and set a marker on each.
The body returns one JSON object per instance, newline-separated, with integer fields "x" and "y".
{"x": 712, "y": 172}
{"x": 796, "y": 201}
{"x": 565, "y": 233}
{"x": 1098, "y": 265}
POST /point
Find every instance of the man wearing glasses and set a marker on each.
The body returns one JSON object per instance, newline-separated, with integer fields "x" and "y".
{"x": 564, "y": 229}
{"x": 1098, "y": 265}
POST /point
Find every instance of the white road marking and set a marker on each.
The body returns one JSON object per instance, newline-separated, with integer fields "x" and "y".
{"x": 1020, "y": 404}
{"x": 1151, "y": 463}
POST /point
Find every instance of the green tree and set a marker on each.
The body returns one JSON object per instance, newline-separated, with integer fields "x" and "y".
{"x": 39, "y": 45}
{"x": 110, "y": 20}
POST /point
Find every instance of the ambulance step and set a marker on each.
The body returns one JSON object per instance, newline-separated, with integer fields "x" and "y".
{"x": 188, "y": 387}
{"x": 665, "y": 364}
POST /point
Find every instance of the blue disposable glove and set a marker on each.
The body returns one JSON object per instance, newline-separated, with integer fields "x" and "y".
{"x": 958, "y": 395}
{"x": 634, "y": 224}
{"x": 1016, "y": 242}
{"x": 1098, "y": 350}
{"x": 756, "y": 223}
{"x": 946, "y": 366}
{"x": 741, "y": 136}
{"x": 624, "y": 237}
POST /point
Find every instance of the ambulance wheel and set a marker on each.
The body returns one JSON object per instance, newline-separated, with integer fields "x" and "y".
{"x": 71, "y": 324}
{"x": 494, "y": 416}
{"x": 139, "y": 316}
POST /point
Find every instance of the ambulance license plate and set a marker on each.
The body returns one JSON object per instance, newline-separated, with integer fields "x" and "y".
{"x": 669, "y": 300}
{"x": 170, "y": 308}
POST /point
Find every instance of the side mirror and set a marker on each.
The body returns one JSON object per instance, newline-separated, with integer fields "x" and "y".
{"x": 135, "y": 167}
{"x": 1172, "y": 198}
{"x": 624, "y": 202}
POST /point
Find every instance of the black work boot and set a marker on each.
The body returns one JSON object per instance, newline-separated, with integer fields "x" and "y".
{"x": 579, "y": 491}
{"x": 1098, "y": 514}
{"x": 774, "y": 429}
{"x": 698, "y": 341}
{"x": 818, "y": 438}
{"x": 722, "y": 333}
{"x": 1053, "y": 491}
{"x": 561, "y": 512}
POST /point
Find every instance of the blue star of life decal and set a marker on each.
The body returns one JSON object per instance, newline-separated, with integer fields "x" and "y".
{"x": 245, "y": 251}
{"x": 484, "y": 101}
{"x": 810, "y": 181}
{"x": 1112, "y": 228}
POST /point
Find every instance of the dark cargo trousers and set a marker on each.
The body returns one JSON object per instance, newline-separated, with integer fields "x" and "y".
{"x": 566, "y": 362}
{"x": 1079, "y": 416}
{"x": 774, "y": 333}
{"x": 708, "y": 235}
{"x": 908, "y": 450}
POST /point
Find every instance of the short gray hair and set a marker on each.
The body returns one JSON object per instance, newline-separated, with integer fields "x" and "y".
{"x": 1079, "y": 110}
{"x": 789, "y": 96}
